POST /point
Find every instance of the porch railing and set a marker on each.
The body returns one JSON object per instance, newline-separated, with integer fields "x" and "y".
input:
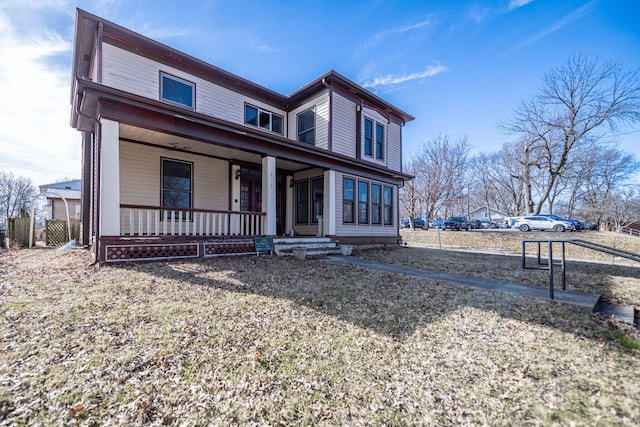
{"x": 151, "y": 221}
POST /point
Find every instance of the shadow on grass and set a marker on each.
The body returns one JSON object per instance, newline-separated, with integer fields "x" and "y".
{"x": 390, "y": 304}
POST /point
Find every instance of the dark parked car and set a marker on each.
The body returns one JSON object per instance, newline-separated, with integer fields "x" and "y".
{"x": 417, "y": 223}
{"x": 456, "y": 223}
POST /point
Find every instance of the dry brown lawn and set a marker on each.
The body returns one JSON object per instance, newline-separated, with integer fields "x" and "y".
{"x": 280, "y": 341}
{"x": 493, "y": 254}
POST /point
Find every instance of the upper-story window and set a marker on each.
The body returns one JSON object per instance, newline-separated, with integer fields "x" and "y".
{"x": 307, "y": 127}
{"x": 368, "y": 137}
{"x": 262, "y": 118}
{"x": 371, "y": 144}
{"x": 379, "y": 141}
{"x": 177, "y": 91}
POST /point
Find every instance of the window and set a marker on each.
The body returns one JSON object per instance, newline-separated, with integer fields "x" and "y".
{"x": 264, "y": 119}
{"x": 363, "y": 202}
{"x": 376, "y": 204}
{"x": 317, "y": 197}
{"x": 388, "y": 206}
{"x": 379, "y": 141}
{"x": 368, "y": 137}
{"x": 176, "y": 184}
{"x": 307, "y": 127}
{"x": 348, "y": 200}
{"x": 302, "y": 202}
{"x": 176, "y": 91}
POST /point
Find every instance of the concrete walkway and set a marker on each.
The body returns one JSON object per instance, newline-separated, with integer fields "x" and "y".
{"x": 579, "y": 299}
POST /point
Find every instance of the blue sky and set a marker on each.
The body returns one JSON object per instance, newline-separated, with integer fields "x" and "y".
{"x": 457, "y": 66}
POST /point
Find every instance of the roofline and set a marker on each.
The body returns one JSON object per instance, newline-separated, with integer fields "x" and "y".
{"x": 180, "y": 59}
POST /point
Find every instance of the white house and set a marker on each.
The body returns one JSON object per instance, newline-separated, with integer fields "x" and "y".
{"x": 184, "y": 159}
{"x": 56, "y": 195}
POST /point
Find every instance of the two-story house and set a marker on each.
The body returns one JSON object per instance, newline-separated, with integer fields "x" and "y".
{"x": 184, "y": 159}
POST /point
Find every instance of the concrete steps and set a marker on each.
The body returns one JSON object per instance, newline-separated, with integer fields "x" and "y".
{"x": 305, "y": 247}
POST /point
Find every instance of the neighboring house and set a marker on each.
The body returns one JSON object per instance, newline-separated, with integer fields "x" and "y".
{"x": 70, "y": 191}
{"x": 183, "y": 159}
{"x": 488, "y": 214}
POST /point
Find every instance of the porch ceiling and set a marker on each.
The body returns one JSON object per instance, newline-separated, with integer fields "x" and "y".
{"x": 186, "y": 145}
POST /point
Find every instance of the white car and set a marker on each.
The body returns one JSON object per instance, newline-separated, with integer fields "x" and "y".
{"x": 527, "y": 223}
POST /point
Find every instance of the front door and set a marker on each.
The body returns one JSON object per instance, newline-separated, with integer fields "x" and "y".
{"x": 251, "y": 194}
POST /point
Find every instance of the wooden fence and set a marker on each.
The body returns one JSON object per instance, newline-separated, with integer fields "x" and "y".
{"x": 19, "y": 230}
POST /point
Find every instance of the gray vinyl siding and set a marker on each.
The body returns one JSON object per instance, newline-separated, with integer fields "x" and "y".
{"x": 354, "y": 230}
{"x": 140, "y": 177}
{"x": 394, "y": 147}
{"x": 136, "y": 74}
{"x": 343, "y": 126}
{"x": 321, "y": 105}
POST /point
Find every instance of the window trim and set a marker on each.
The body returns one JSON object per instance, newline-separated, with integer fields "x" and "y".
{"x": 303, "y": 183}
{"x": 162, "y": 187}
{"x": 380, "y": 143}
{"x": 164, "y": 74}
{"x": 314, "y": 217}
{"x": 313, "y": 129}
{"x": 376, "y": 206}
{"x": 350, "y": 202}
{"x": 271, "y": 114}
{"x": 367, "y": 203}
{"x": 368, "y": 138}
{"x": 386, "y": 206}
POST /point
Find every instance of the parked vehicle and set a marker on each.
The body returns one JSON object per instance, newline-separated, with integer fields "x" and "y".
{"x": 475, "y": 224}
{"x": 417, "y": 223}
{"x": 528, "y": 223}
{"x": 436, "y": 223}
{"x": 456, "y": 223}
{"x": 485, "y": 223}
{"x": 578, "y": 225}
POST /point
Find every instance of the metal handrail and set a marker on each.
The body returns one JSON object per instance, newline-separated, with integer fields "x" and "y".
{"x": 578, "y": 242}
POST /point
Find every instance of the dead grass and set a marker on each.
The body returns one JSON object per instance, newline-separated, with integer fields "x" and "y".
{"x": 275, "y": 341}
{"x": 587, "y": 270}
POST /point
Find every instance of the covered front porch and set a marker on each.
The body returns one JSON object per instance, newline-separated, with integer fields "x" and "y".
{"x": 177, "y": 197}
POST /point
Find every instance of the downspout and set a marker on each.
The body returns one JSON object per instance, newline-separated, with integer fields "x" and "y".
{"x": 97, "y": 159}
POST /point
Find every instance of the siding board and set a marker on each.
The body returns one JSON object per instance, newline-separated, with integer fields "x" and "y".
{"x": 344, "y": 126}
{"x": 140, "y": 177}
{"x": 139, "y": 75}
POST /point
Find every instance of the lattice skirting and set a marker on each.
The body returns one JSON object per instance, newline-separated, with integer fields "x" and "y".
{"x": 151, "y": 252}
{"x": 167, "y": 251}
{"x": 229, "y": 248}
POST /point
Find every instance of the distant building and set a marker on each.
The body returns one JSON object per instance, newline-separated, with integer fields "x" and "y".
{"x": 488, "y": 213}
{"x": 70, "y": 191}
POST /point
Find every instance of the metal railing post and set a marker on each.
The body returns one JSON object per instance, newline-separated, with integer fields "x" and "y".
{"x": 564, "y": 272}
{"x": 551, "y": 270}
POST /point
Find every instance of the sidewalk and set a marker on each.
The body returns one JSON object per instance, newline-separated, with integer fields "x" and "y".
{"x": 579, "y": 299}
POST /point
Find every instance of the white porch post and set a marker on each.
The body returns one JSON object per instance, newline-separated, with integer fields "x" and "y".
{"x": 329, "y": 203}
{"x": 109, "y": 178}
{"x": 269, "y": 194}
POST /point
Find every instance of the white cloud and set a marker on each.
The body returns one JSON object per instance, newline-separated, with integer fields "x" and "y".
{"x": 565, "y": 20}
{"x": 36, "y": 139}
{"x": 514, "y": 4}
{"x": 390, "y": 80}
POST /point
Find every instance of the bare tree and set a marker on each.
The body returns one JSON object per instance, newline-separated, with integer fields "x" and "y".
{"x": 409, "y": 193}
{"x": 16, "y": 193}
{"x": 579, "y": 102}
{"x": 439, "y": 168}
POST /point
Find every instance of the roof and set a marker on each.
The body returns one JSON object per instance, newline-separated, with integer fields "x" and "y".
{"x": 88, "y": 25}
{"x": 74, "y": 184}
